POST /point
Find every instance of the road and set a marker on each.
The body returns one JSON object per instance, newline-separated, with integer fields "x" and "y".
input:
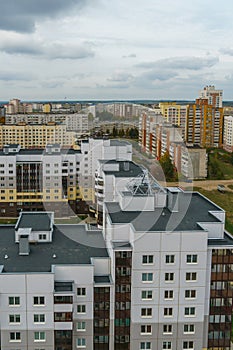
{"x": 155, "y": 170}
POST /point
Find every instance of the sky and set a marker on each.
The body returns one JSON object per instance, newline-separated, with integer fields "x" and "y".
{"x": 105, "y": 49}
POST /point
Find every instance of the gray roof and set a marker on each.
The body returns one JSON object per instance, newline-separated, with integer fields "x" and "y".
{"x": 36, "y": 221}
{"x": 116, "y": 142}
{"x": 71, "y": 244}
{"x": 40, "y": 151}
{"x": 193, "y": 208}
{"x": 226, "y": 241}
{"x": 102, "y": 279}
{"x": 134, "y": 169}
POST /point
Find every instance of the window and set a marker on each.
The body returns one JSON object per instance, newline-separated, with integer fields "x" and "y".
{"x": 191, "y": 259}
{"x": 81, "y": 309}
{"x": 169, "y": 259}
{"x": 167, "y": 329}
{"x": 167, "y": 311}
{"x": 39, "y": 336}
{"x": 15, "y": 336}
{"x": 189, "y": 328}
{"x": 146, "y": 329}
{"x": 145, "y": 345}
{"x": 39, "y": 300}
{"x": 189, "y": 311}
{"x": 169, "y": 276}
{"x": 81, "y": 342}
{"x": 188, "y": 345}
{"x": 14, "y": 300}
{"x": 147, "y": 277}
{"x": 81, "y": 326}
{"x": 190, "y": 294}
{"x": 147, "y": 259}
{"x": 146, "y": 294}
{"x": 81, "y": 291}
{"x": 14, "y": 318}
{"x": 191, "y": 276}
{"x": 146, "y": 312}
{"x": 168, "y": 294}
{"x": 42, "y": 236}
{"x": 39, "y": 318}
{"x": 167, "y": 345}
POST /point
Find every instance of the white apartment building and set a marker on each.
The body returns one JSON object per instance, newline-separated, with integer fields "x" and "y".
{"x": 214, "y": 96}
{"x": 159, "y": 276}
{"x": 228, "y": 133}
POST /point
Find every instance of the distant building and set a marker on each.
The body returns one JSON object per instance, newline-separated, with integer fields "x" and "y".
{"x": 204, "y": 124}
{"x": 213, "y": 96}
{"x": 228, "y": 133}
{"x": 36, "y": 136}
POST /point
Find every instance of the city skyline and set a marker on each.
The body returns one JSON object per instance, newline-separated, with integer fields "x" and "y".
{"x": 103, "y": 50}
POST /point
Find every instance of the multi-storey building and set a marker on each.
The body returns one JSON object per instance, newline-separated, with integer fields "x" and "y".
{"x": 94, "y": 150}
{"x": 175, "y": 114}
{"x": 213, "y": 96}
{"x": 228, "y": 133}
{"x": 74, "y": 122}
{"x": 204, "y": 124}
{"x": 189, "y": 160}
{"x": 36, "y": 136}
{"x": 159, "y": 276}
{"x": 57, "y": 179}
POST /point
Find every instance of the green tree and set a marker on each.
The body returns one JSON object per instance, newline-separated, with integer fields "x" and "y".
{"x": 114, "y": 132}
{"x": 168, "y": 168}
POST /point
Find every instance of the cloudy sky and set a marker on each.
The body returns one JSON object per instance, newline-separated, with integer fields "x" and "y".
{"x": 123, "y": 49}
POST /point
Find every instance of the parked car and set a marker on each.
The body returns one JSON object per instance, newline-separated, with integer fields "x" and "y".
{"x": 221, "y": 188}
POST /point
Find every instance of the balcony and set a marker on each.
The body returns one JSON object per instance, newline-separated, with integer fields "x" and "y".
{"x": 60, "y": 326}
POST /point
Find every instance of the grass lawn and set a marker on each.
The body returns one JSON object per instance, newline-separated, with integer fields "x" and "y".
{"x": 224, "y": 200}
{"x": 223, "y": 161}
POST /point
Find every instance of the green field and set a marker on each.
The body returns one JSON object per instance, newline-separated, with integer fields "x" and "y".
{"x": 220, "y": 165}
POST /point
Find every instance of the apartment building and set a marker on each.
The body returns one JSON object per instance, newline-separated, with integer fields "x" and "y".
{"x": 31, "y": 136}
{"x": 204, "y": 124}
{"x": 74, "y": 122}
{"x": 55, "y": 178}
{"x": 94, "y": 150}
{"x": 159, "y": 276}
{"x": 175, "y": 114}
{"x": 228, "y": 133}
{"x": 189, "y": 160}
{"x": 213, "y": 96}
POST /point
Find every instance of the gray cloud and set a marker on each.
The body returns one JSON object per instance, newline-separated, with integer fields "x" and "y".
{"x": 55, "y": 50}
{"x": 132, "y": 55}
{"x": 21, "y": 16}
{"x": 190, "y": 63}
{"x": 120, "y": 77}
{"x": 227, "y": 51}
{"x": 15, "y": 76}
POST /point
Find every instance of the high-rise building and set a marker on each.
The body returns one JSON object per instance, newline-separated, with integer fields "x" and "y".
{"x": 204, "y": 124}
{"x": 159, "y": 276}
{"x": 228, "y": 133}
{"x": 213, "y": 96}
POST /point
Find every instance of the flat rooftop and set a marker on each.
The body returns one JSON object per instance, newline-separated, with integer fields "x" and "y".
{"x": 115, "y": 142}
{"x": 193, "y": 208}
{"x": 71, "y": 244}
{"x": 126, "y": 169}
{"x": 40, "y": 151}
{"x": 36, "y": 221}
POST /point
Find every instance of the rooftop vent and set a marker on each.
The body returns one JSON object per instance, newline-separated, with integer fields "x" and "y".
{"x": 24, "y": 248}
